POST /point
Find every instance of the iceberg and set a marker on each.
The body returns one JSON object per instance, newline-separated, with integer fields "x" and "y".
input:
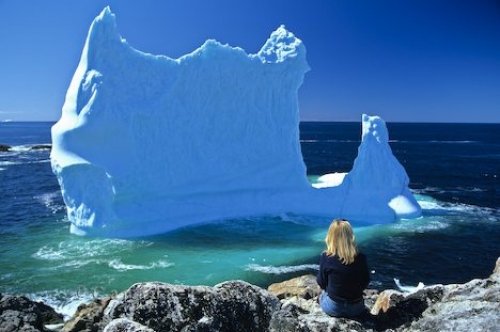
{"x": 147, "y": 144}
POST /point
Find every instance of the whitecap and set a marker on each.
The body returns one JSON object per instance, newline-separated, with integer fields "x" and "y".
{"x": 420, "y": 226}
{"x": 82, "y": 248}
{"x": 118, "y": 265}
{"x": 49, "y": 200}
{"x": 408, "y": 289}
{"x": 9, "y": 163}
{"x": 48, "y": 253}
{"x": 29, "y": 147}
{"x": 64, "y": 302}
{"x": 75, "y": 264}
{"x": 455, "y": 207}
{"x": 329, "y": 141}
{"x": 269, "y": 269}
{"x": 42, "y": 161}
{"x": 452, "y": 142}
{"x": 20, "y": 148}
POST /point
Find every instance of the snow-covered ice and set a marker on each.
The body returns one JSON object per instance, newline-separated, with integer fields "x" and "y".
{"x": 146, "y": 144}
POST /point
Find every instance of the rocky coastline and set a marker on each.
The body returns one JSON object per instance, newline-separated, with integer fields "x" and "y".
{"x": 35, "y": 147}
{"x": 287, "y": 306}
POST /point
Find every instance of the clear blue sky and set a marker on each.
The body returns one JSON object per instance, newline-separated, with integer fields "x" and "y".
{"x": 409, "y": 61}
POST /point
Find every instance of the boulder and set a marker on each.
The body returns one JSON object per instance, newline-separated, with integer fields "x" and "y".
{"x": 230, "y": 306}
{"x": 370, "y": 296}
{"x": 88, "y": 317}
{"x": 126, "y": 325}
{"x": 294, "y": 318}
{"x": 4, "y": 148}
{"x": 394, "y": 309}
{"x": 473, "y": 306}
{"x": 41, "y": 147}
{"x": 496, "y": 271}
{"x": 304, "y": 287}
{"x": 18, "y": 313}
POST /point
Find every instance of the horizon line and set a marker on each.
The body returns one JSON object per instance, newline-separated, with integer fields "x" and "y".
{"x": 301, "y": 121}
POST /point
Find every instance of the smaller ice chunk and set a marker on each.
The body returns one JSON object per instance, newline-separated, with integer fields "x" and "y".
{"x": 330, "y": 180}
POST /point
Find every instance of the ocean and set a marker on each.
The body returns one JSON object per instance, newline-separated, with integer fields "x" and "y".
{"x": 454, "y": 171}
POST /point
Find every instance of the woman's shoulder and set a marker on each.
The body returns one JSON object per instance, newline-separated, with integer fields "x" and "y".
{"x": 360, "y": 257}
{"x": 332, "y": 258}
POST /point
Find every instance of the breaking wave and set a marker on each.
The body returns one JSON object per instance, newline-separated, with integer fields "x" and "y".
{"x": 51, "y": 202}
{"x": 269, "y": 269}
{"x": 72, "y": 249}
{"x": 118, "y": 265}
{"x": 65, "y": 302}
{"x": 30, "y": 147}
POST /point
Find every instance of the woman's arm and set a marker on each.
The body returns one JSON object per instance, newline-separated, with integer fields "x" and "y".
{"x": 322, "y": 278}
{"x": 365, "y": 273}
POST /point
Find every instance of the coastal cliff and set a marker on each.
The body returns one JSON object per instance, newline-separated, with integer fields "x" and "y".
{"x": 288, "y": 306}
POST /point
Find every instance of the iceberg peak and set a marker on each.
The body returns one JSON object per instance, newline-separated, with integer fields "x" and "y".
{"x": 282, "y": 45}
{"x": 102, "y": 32}
{"x": 373, "y": 127}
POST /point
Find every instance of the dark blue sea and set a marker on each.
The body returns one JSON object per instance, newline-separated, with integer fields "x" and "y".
{"x": 454, "y": 171}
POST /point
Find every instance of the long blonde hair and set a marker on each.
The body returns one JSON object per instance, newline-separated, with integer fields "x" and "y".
{"x": 340, "y": 241}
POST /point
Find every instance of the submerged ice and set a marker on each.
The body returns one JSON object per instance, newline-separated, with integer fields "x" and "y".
{"x": 146, "y": 144}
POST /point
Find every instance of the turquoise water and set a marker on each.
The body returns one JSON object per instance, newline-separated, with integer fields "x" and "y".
{"x": 454, "y": 241}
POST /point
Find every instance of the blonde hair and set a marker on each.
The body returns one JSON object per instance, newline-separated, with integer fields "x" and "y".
{"x": 340, "y": 241}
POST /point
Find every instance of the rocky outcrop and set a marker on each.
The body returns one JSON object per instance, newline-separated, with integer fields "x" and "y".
{"x": 304, "y": 287}
{"x": 4, "y": 148}
{"x": 473, "y": 306}
{"x": 126, "y": 325}
{"x": 239, "y": 306}
{"x": 88, "y": 317}
{"x": 18, "y": 313}
{"x": 393, "y": 309}
{"x": 153, "y": 306}
{"x": 41, "y": 147}
{"x": 37, "y": 147}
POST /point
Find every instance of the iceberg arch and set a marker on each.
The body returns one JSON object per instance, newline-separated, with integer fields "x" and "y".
{"x": 146, "y": 144}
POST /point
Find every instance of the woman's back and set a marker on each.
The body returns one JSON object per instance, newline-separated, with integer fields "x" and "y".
{"x": 343, "y": 281}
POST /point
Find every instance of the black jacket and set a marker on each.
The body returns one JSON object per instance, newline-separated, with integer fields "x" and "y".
{"x": 343, "y": 282}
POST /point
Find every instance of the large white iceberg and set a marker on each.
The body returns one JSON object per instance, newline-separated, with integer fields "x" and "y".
{"x": 147, "y": 143}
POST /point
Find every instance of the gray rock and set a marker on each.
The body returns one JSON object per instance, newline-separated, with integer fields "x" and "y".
{"x": 473, "y": 306}
{"x": 303, "y": 286}
{"x": 41, "y": 147}
{"x": 400, "y": 310}
{"x": 126, "y": 325}
{"x": 88, "y": 317}
{"x": 239, "y": 306}
{"x": 294, "y": 318}
{"x": 230, "y": 306}
{"x": 319, "y": 322}
{"x": 18, "y": 313}
{"x": 4, "y": 148}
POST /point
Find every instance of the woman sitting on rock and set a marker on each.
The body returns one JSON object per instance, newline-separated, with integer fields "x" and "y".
{"x": 343, "y": 273}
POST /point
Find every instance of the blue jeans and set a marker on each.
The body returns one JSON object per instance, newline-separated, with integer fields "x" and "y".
{"x": 340, "y": 308}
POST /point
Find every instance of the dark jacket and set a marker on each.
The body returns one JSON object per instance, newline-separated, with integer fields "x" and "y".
{"x": 343, "y": 282}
